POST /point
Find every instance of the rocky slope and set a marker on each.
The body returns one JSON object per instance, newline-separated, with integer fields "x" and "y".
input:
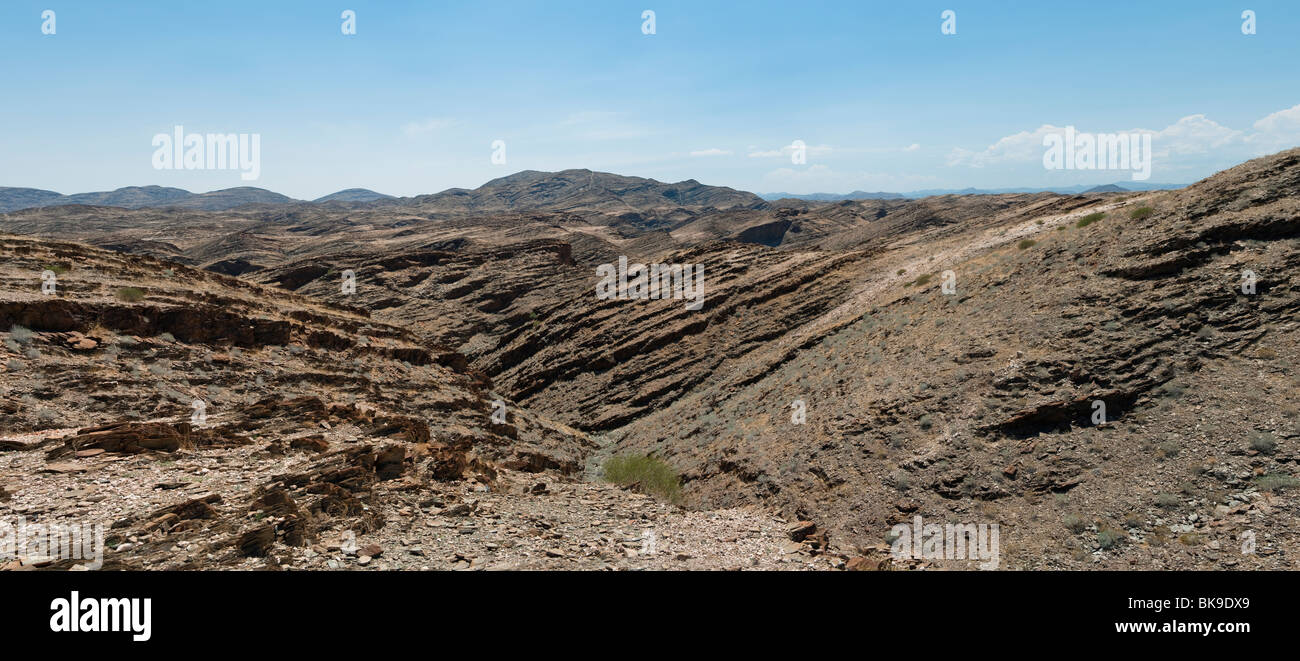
{"x": 952, "y": 355}
{"x": 977, "y": 406}
{"x": 316, "y": 421}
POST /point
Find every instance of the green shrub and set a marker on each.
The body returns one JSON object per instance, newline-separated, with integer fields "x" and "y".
{"x": 1074, "y": 523}
{"x": 130, "y": 294}
{"x": 58, "y": 269}
{"x": 1109, "y": 538}
{"x": 900, "y": 480}
{"x": 1141, "y": 212}
{"x": 1168, "y": 500}
{"x": 1276, "y": 482}
{"x": 21, "y": 334}
{"x": 1026, "y": 243}
{"x": 1263, "y": 443}
{"x": 646, "y": 473}
{"x": 1090, "y": 219}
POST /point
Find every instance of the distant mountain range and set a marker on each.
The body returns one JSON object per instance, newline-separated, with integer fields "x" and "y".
{"x": 529, "y": 189}
{"x": 584, "y": 189}
{"x": 526, "y": 190}
{"x": 354, "y": 195}
{"x": 1129, "y": 186}
{"x": 136, "y": 197}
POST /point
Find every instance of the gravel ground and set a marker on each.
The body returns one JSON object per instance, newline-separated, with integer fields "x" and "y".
{"x": 522, "y": 522}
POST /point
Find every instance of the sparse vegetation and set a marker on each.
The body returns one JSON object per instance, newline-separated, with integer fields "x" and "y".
{"x": 1074, "y": 523}
{"x": 1276, "y": 482}
{"x": 1171, "y": 391}
{"x": 1090, "y": 219}
{"x": 1168, "y": 500}
{"x": 1263, "y": 442}
{"x": 1026, "y": 243}
{"x": 1109, "y": 538}
{"x": 1141, "y": 212}
{"x": 130, "y": 294}
{"x": 21, "y": 334}
{"x": 645, "y": 473}
{"x": 900, "y": 480}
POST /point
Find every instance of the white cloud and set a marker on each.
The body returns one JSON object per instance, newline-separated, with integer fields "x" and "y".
{"x": 1192, "y": 142}
{"x": 1024, "y": 146}
{"x": 713, "y": 151}
{"x": 1282, "y": 121}
{"x": 810, "y": 150}
{"x": 1194, "y": 134}
{"x": 912, "y": 147}
{"x": 430, "y": 125}
{"x": 1276, "y": 132}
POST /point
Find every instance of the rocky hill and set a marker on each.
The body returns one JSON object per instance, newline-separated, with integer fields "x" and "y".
{"x": 1109, "y": 376}
{"x": 217, "y": 423}
{"x": 137, "y": 197}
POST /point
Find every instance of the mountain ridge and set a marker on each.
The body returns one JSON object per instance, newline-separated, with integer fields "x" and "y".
{"x": 1127, "y": 186}
{"x": 575, "y": 188}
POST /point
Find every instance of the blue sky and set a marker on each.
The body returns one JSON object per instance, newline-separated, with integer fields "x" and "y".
{"x": 413, "y": 101}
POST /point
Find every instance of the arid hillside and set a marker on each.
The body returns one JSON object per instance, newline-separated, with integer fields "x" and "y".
{"x": 216, "y": 423}
{"x": 1110, "y": 377}
{"x": 977, "y": 405}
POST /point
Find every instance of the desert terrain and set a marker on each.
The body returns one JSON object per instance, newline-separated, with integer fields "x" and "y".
{"x": 458, "y": 407}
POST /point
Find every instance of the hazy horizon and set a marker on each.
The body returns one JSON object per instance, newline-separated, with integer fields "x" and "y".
{"x": 760, "y": 193}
